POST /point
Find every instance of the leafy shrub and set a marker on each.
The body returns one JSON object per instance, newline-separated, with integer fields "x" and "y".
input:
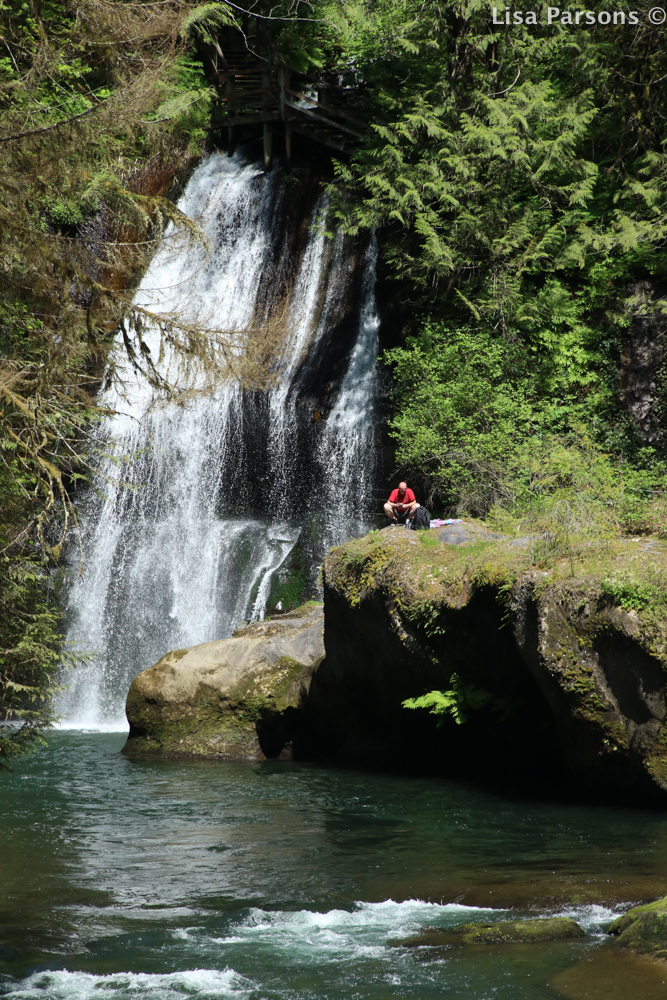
{"x": 457, "y": 703}
{"x": 632, "y": 594}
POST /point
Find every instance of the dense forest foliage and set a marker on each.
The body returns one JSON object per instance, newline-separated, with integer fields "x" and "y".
{"x": 516, "y": 174}
{"x": 100, "y": 104}
{"x": 520, "y": 177}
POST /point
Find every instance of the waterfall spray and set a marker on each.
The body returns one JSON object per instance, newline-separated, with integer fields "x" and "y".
{"x": 180, "y": 544}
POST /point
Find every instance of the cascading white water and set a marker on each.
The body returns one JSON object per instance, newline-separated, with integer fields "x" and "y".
{"x": 193, "y": 509}
{"x": 347, "y": 446}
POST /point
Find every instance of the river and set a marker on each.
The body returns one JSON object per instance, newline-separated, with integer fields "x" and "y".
{"x": 174, "y": 879}
{"x": 164, "y": 880}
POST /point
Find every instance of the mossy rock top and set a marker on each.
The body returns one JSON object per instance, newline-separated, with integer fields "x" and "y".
{"x": 446, "y": 565}
{"x": 643, "y": 929}
{"x": 623, "y": 922}
{"x": 530, "y": 931}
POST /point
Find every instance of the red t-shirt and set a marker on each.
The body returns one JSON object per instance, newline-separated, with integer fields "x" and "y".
{"x": 407, "y": 497}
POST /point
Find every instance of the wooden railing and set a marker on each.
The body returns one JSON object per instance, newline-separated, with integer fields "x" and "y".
{"x": 253, "y": 90}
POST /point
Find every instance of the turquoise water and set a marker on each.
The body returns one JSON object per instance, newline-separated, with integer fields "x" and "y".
{"x": 167, "y": 880}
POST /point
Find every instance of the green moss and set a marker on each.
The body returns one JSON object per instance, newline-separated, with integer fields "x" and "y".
{"x": 289, "y": 582}
{"x": 196, "y": 736}
{"x": 622, "y": 923}
{"x": 360, "y": 564}
{"x": 503, "y": 932}
{"x": 303, "y": 609}
{"x": 643, "y": 929}
{"x": 287, "y": 591}
{"x": 521, "y": 931}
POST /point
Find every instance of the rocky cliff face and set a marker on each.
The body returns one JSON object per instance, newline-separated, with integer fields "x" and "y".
{"x": 642, "y": 370}
{"x": 557, "y": 674}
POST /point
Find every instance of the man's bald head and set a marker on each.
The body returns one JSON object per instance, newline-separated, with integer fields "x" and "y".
{"x": 402, "y": 487}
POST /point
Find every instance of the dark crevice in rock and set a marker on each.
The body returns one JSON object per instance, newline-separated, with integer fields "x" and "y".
{"x": 376, "y": 660}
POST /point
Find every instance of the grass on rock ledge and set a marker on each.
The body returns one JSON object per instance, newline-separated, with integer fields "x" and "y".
{"x": 422, "y": 575}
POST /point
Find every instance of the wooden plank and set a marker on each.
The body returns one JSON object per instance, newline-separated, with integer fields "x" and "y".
{"x": 331, "y": 141}
{"x": 242, "y": 93}
{"x": 250, "y": 119}
{"x": 330, "y": 108}
{"x": 243, "y": 104}
{"x": 255, "y": 74}
{"x": 322, "y": 120}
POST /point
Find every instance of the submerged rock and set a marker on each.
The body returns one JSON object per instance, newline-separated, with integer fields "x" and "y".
{"x": 643, "y": 929}
{"x": 503, "y": 932}
{"x": 235, "y": 699}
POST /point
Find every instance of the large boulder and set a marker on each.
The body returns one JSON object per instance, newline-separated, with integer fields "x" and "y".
{"x": 234, "y": 699}
{"x": 553, "y": 672}
{"x": 643, "y": 929}
{"x": 552, "y": 668}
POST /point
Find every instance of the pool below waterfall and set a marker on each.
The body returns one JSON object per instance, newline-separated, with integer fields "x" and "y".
{"x": 174, "y": 879}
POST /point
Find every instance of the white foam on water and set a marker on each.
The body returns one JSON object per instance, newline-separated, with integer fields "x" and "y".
{"x": 205, "y": 984}
{"x": 307, "y": 937}
{"x": 592, "y": 917}
{"x": 341, "y": 935}
{"x": 349, "y": 947}
{"x": 100, "y": 727}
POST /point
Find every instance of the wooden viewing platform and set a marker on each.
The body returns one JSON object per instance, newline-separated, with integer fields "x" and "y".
{"x": 255, "y": 89}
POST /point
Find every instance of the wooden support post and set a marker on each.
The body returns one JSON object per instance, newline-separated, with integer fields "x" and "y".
{"x": 281, "y": 92}
{"x": 284, "y": 81}
{"x": 230, "y": 91}
{"x": 268, "y": 147}
{"x": 266, "y": 107}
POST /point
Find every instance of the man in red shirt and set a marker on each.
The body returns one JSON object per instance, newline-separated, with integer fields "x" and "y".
{"x": 401, "y": 504}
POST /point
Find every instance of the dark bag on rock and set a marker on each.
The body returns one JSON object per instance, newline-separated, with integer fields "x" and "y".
{"x": 421, "y": 519}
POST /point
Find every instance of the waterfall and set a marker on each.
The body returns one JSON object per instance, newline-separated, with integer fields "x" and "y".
{"x": 196, "y": 507}
{"x": 346, "y": 448}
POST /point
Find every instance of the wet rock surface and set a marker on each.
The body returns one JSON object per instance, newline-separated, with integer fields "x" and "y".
{"x": 642, "y": 365}
{"x": 643, "y": 929}
{"x": 234, "y": 699}
{"x": 502, "y": 932}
